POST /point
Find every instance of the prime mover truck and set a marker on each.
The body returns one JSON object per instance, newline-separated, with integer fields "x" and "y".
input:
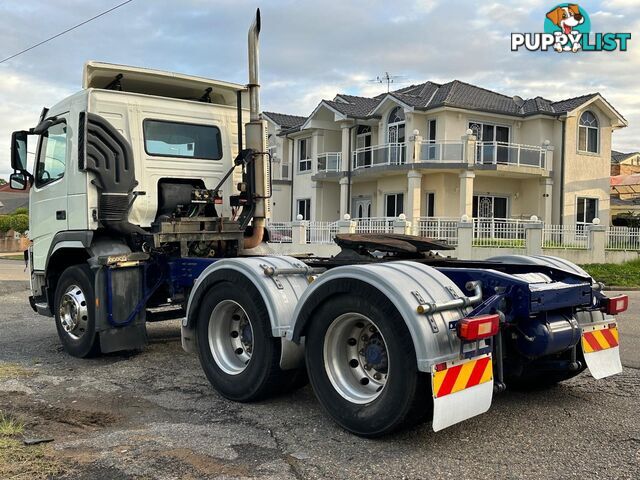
{"x": 149, "y": 195}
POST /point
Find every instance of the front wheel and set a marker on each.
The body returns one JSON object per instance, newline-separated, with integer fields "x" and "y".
{"x": 362, "y": 365}
{"x": 74, "y": 307}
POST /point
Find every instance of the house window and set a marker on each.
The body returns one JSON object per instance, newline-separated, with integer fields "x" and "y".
{"x": 492, "y": 142}
{"x": 394, "y": 204}
{"x": 363, "y": 146}
{"x": 304, "y": 155}
{"x": 304, "y": 208}
{"x": 588, "y": 133}
{"x": 430, "y": 205}
{"x": 431, "y": 131}
{"x": 490, "y": 206}
{"x": 396, "y": 137}
{"x": 586, "y": 211}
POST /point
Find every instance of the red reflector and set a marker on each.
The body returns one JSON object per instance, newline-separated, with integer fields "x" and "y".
{"x": 615, "y": 305}
{"x": 477, "y": 328}
{"x": 441, "y": 366}
{"x": 217, "y": 200}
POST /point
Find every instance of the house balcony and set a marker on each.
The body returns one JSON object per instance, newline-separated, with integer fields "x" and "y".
{"x": 329, "y": 162}
{"x": 501, "y": 153}
{"x": 388, "y": 154}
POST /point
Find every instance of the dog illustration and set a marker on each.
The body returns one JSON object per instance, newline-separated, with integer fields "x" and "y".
{"x": 566, "y": 18}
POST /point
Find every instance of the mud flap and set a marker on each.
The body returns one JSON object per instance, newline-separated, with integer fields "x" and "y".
{"x": 601, "y": 350}
{"x": 462, "y": 389}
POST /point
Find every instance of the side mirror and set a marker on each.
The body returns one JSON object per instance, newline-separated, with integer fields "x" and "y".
{"x": 18, "y": 181}
{"x": 19, "y": 151}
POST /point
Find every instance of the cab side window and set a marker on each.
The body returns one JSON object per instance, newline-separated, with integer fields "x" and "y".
{"x": 52, "y": 156}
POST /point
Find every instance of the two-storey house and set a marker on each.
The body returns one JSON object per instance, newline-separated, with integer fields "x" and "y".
{"x": 453, "y": 149}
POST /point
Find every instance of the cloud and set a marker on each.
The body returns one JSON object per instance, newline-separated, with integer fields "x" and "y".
{"x": 311, "y": 50}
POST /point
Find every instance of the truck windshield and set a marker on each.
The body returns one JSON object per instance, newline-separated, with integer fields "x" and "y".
{"x": 174, "y": 139}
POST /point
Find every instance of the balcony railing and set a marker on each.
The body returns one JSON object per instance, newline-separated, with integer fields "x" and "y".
{"x": 330, "y": 162}
{"x": 501, "y": 153}
{"x": 441, "y": 152}
{"x": 387, "y": 154}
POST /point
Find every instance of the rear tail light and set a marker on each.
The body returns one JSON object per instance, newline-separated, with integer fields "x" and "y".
{"x": 477, "y": 328}
{"x": 615, "y": 305}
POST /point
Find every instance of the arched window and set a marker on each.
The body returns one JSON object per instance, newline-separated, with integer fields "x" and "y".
{"x": 588, "y": 133}
{"x": 396, "y": 115}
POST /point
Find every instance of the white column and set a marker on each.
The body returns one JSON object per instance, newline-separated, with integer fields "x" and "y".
{"x": 346, "y": 225}
{"x": 344, "y": 196}
{"x": 466, "y": 193}
{"x": 469, "y": 148}
{"x": 345, "y": 130}
{"x": 416, "y": 146}
{"x": 546, "y": 203}
{"x": 317, "y": 205}
{"x": 316, "y": 147}
{"x": 414, "y": 195}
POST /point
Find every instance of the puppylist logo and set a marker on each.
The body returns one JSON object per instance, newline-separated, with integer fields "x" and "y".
{"x": 567, "y": 28}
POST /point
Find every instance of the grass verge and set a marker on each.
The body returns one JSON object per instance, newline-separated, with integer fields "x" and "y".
{"x": 619, "y": 275}
{"x": 21, "y": 462}
{"x": 13, "y": 370}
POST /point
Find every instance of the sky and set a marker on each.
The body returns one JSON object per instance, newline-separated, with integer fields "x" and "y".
{"x": 312, "y": 50}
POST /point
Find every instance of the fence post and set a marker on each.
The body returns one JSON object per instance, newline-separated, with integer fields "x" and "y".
{"x": 299, "y": 231}
{"x": 465, "y": 238}
{"x": 416, "y": 139}
{"x": 401, "y": 225}
{"x": 533, "y": 238}
{"x": 597, "y": 241}
{"x": 346, "y": 225}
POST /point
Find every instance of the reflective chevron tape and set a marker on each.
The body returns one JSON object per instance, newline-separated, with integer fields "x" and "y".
{"x": 599, "y": 339}
{"x": 460, "y": 375}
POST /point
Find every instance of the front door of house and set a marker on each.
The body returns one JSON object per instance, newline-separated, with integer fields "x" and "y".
{"x": 489, "y": 212}
{"x": 361, "y": 207}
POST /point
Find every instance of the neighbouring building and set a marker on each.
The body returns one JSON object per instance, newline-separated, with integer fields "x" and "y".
{"x": 625, "y": 200}
{"x": 446, "y": 150}
{"x": 624, "y": 163}
{"x": 280, "y": 148}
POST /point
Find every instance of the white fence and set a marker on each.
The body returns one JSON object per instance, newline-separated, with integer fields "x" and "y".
{"x": 321, "y": 232}
{"x": 280, "y": 232}
{"x": 375, "y": 224}
{"x": 623, "y": 238}
{"x": 499, "y": 232}
{"x": 439, "y": 228}
{"x": 565, "y": 236}
{"x": 487, "y": 233}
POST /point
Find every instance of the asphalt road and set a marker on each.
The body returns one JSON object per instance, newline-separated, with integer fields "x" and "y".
{"x": 153, "y": 415}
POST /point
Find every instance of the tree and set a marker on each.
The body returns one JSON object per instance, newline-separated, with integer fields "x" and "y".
{"x": 2, "y": 181}
{"x": 20, "y": 222}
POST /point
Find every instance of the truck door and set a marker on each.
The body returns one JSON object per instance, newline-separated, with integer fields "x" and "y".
{"x": 48, "y": 198}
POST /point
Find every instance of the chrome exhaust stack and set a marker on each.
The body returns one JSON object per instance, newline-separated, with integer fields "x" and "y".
{"x": 256, "y": 134}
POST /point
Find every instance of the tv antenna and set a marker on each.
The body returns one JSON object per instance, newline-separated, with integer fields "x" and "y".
{"x": 388, "y": 79}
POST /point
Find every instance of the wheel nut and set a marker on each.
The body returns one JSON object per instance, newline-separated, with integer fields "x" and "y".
{"x": 372, "y": 328}
{"x": 377, "y": 376}
{"x": 367, "y": 367}
{"x": 364, "y": 338}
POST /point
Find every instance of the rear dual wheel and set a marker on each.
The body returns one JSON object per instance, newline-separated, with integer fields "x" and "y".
{"x": 362, "y": 365}
{"x": 238, "y": 354}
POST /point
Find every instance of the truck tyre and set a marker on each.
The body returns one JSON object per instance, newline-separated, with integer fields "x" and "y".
{"x": 362, "y": 365}
{"x": 237, "y": 352}
{"x": 74, "y": 307}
